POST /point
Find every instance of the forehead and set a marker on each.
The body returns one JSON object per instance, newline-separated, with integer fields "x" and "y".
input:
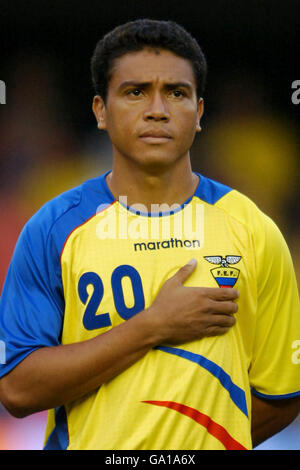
{"x": 149, "y": 65}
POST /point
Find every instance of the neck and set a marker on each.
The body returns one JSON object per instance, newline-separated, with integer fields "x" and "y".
{"x": 155, "y": 186}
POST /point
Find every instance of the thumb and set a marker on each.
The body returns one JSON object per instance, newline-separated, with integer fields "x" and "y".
{"x": 184, "y": 273}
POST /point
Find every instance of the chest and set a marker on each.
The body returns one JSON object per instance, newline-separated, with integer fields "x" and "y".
{"x": 114, "y": 267}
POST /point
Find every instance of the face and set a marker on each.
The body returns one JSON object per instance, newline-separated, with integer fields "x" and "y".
{"x": 151, "y": 112}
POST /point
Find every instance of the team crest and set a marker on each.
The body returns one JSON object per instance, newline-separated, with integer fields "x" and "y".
{"x": 224, "y": 275}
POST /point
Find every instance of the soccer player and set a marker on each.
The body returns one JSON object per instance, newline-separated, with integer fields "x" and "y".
{"x": 151, "y": 307}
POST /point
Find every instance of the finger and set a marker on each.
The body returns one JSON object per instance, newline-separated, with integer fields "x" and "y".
{"x": 218, "y": 322}
{"x": 217, "y": 331}
{"x": 223, "y": 321}
{"x": 225, "y": 307}
{"x": 219, "y": 294}
{"x": 185, "y": 271}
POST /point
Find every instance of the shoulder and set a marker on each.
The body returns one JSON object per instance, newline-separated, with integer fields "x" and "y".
{"x": 262, "y": 227}
{"x": 59, "y": 216}
{"x": 239, "y": 207}
{"x": 234, "y": 203}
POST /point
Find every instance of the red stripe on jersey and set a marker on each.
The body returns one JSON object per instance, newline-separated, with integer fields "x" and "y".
{"x": 212, "y": 427}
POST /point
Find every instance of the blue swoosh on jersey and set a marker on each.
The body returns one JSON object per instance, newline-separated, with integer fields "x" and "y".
{"x": 237, "y": 394}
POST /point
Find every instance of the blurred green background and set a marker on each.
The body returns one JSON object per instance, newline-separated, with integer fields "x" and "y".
{"x": 49, "y": 141}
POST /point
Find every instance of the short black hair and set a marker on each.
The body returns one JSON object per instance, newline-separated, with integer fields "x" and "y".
{"x": 137, "y": 35}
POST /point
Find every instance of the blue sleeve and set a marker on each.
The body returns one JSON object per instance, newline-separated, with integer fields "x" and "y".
{"x": 32, "y": 303}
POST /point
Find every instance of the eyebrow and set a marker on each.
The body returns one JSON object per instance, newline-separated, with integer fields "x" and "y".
{"x": 168, "y": 86}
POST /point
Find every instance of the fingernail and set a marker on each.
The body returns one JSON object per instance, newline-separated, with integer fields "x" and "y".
{"x": 192, "y": 261}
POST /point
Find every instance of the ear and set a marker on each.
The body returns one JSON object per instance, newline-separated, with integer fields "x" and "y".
{"x": 99, "y": 112}
{"x": 200, "y": 111}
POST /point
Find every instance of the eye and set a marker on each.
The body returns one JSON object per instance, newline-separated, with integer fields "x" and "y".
{"x": 178, "y": 93}
{"x": 134, "y": 92}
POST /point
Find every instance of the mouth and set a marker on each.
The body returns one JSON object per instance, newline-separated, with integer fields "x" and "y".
{"x": 155, "y": 136}
{"x": 155, "y": 140}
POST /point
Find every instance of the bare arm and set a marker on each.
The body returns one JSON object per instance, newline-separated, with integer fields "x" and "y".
{"x": 52, "y": 376}
{"x": 271, "y": 416}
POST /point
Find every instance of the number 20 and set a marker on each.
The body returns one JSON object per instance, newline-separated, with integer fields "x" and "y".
{"x": 91, "y": 320}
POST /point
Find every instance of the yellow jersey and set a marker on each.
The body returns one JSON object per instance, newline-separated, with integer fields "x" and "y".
{"x": 86, "y": 263}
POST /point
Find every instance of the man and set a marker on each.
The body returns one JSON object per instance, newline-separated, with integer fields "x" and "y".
{"x": 115, "y": 318}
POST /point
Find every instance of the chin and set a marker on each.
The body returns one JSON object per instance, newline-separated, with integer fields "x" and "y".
{"x": 156, "y": 165}
{"x": 156, "y": 160}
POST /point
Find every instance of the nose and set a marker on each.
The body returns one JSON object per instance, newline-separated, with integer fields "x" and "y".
{"x": 157, "y": 109}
